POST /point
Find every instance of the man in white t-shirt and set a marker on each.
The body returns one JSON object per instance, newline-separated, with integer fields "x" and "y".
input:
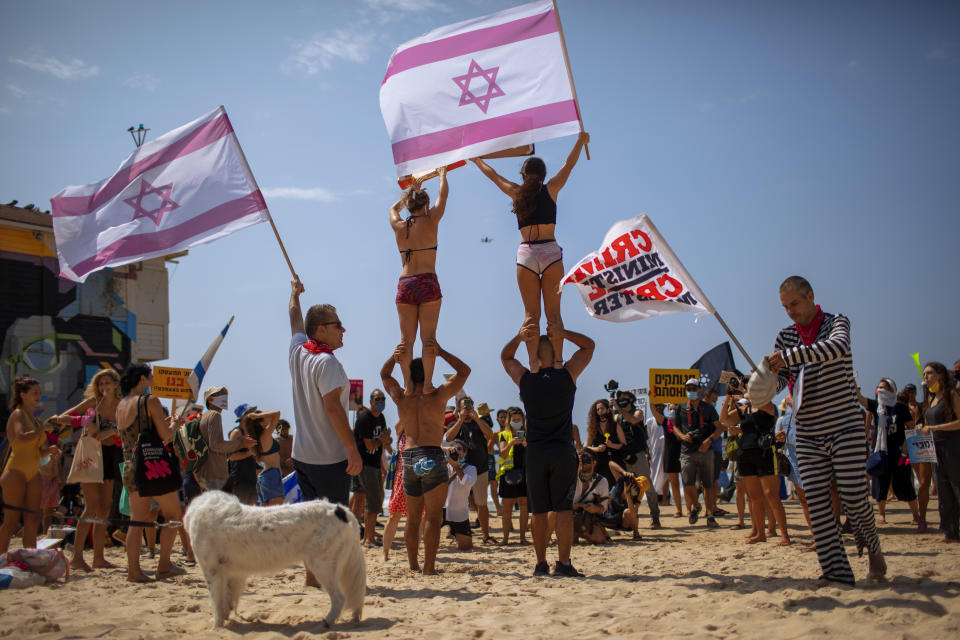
{"x": 324, "y": 450}
{"x": 456, "y": 511}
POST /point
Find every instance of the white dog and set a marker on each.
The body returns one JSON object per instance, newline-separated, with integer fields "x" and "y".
{"x": 232, "y": 541}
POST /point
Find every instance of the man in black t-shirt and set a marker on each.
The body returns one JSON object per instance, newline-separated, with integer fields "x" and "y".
{"x": 696, "y": 424}
{"x": 371, "y": 434}
{"x": 551, "y": 459}
{"x": 476, "y": 436}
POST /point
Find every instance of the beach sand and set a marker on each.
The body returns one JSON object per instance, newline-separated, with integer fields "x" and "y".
{"x": 680, "y": 581}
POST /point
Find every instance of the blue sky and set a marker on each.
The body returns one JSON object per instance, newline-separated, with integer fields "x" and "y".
{"x": 763, "y": 139}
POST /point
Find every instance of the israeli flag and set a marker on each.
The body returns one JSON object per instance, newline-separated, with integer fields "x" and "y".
{"x": 291, "y": 490}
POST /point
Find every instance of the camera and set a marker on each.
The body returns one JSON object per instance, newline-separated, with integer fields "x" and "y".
{"x": 611, "y": 388}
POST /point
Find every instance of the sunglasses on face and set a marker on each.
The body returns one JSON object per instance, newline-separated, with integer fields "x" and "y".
{"x": 337, "y": 324}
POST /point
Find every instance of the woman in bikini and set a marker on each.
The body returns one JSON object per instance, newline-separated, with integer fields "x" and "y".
{"x": 260, "y": 426}
{"x": 20, "y": 480}
{"x": 418, "y": 291}
{"x": 102, "y": 396}
{"x": 539, "y": 258}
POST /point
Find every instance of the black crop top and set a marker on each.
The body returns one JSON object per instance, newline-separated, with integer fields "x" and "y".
{"x": 545, "y": 213}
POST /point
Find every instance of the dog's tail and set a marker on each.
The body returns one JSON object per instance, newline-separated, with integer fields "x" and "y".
{"x": 352, "y": 567}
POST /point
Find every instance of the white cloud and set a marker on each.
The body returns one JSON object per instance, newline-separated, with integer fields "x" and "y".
{"x": 75, "y": 68}
{"x": 403, "y": 5}
{"x": 142, "y": 80}
{"x": 299, "y": 193}
{"x": 17, "y": 91}
{"x": 323, "y": 49}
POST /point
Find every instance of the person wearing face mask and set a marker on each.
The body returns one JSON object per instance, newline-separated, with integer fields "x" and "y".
{"x": 213, "y": 473}
{"x": 697, "y": 424}
{"x": 941, "y": 416}
{"x": 590, "y": 500}
{"x": 512, "y": 481}
{"x": 604, "y": 437}
{"x": 371, "y": 434}
{"x": 636, "y": 452}
{"x": 890, "y": 418}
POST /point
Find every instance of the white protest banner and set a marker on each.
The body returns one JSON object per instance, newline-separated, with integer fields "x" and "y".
{"x": 479, "y": 86}
{"x": 635, "y": 275}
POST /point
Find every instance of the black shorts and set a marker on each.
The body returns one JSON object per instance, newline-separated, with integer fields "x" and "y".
{"x": 416, "y": 485}
{"x": 461, "y": 528}
{"x": 755, "y": 462}
{"x": 244, "y": 475}
{"x": 551, "y": 477}
{"x": 671, "y": 458}
{"x": 512, "y": 491}
{"x": 900, "y": 476}
{"x": 328, "y": 481}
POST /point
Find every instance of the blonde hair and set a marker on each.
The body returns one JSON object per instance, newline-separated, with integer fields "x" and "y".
{"x": 91, "y": 390}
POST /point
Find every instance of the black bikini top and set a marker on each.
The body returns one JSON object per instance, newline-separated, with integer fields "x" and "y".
{"x": 545, "y": 212}
{"x": 407, "y": 253}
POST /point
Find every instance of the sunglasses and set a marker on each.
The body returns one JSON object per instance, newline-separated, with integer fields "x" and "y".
{"x": 338, "y": 324}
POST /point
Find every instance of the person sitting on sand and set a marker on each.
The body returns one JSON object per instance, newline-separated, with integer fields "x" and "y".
{"x": 424, "y": 463}
{"x": 418, "y": 291}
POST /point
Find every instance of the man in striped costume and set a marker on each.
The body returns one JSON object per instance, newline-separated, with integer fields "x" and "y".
{"x": 814, "y": 355}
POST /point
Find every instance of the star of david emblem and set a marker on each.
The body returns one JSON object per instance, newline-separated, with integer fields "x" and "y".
{"x": 483, "y": 100}
{"x": 147, "y": 189}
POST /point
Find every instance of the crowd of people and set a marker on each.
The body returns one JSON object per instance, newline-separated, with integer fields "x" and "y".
{"x": 453, "y": 457}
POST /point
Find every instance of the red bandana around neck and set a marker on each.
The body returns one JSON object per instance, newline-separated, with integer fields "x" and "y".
{"x": 808, "y": 334}
{"x": 313, "y": 346}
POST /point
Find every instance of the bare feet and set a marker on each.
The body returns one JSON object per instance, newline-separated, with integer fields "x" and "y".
{"x": 882, "y": 521}
{"x": 755, "y": 539}
{"x": 878, "y": 568}
{"x": 103, "y": 564}
{"x": 137, "y": 577}
{"x": 80, "y": 563}
{"x": 785, "y": 542}
{"x": 428, "y": 388}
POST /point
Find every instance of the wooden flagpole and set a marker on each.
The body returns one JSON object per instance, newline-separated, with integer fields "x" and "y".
{"x": 566, "y": 59}
{"x": 273, "y": 226}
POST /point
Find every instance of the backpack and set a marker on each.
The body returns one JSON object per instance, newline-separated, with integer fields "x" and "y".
{"x": 191, "y": 448}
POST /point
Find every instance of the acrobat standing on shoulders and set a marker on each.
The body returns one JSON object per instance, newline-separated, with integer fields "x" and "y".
{"x": 418, "y": 291}
{"x": 539, "y": 257}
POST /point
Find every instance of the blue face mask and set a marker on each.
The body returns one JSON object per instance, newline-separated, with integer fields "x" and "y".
{"x": 693, "y": 395}
{"x": 379, "y": 405}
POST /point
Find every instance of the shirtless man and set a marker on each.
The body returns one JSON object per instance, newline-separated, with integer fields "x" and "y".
{"x": 418, "y": 291}
{"x": 424, "y": 463}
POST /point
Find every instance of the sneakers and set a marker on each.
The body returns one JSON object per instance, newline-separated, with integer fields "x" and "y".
{"x": 655, "y": 523}
{"x": 712, "y": 523}
{"x": 542, "y": 569}
{"x": 694, "y": 515}
{"x": 566, "y": 570}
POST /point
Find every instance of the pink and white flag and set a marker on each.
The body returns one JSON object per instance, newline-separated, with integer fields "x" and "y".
{"x": 187, "y": 187}
{"x": 635, "y": 275}
{"x": 478, "y": 86}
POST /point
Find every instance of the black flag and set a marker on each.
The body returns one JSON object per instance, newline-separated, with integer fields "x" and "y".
{"x": 712, "y": 364}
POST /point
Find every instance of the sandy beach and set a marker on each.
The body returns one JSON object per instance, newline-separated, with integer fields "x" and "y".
{"x": 678, "y": 581}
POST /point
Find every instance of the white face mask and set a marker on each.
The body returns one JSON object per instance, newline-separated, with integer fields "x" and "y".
{"x": 516, "y": 424}
{"x": 220, "y": 402}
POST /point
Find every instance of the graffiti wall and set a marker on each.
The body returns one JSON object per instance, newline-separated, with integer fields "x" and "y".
{"x": 62, "y": 332}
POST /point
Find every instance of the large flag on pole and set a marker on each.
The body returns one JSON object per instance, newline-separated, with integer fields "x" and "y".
{"x": 712, "y": 364}
{"x": 635, "y": 275}
{"x": 478, "y": 86}
{"x": 187, "y": 187}
{"x": 196, "y": 377}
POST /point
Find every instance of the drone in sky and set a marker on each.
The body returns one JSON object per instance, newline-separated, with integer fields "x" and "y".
{"x": 486, "y": 240}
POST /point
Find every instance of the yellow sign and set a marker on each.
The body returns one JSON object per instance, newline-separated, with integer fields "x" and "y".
{"x": 169, "y": 382}
{"x": 668, "y": 385}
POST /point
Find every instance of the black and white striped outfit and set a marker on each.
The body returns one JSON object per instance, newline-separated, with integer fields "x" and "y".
{"x": 830, "y": 440}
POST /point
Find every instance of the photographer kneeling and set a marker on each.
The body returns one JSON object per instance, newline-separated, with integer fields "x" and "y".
{"x": 590, "y": 501}
{"x": 636, "y": 452}
{"x": 625, "y": 496}
{"x": 456, "y": 511}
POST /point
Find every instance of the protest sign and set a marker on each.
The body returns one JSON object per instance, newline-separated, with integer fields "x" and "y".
{"x": 920, "y": 446}
{"x": 356, "y": 395}
{"x": 169, "y": 382}
{"x": 669, "y": 385}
